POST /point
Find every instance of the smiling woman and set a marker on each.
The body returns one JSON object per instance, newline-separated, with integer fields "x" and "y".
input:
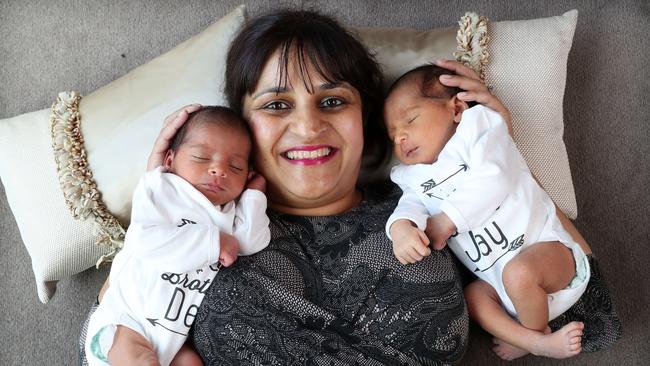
{"x": 308, "y": 138}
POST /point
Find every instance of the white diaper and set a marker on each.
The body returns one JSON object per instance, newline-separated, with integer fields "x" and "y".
{"x": 98, "y": 346}
{"x": 561, "y": 301}
{"x": 101, "y": 332}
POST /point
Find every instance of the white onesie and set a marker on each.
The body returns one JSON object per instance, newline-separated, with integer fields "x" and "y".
{"x": 170, "y": 256}
{"x": 483, "y": 184}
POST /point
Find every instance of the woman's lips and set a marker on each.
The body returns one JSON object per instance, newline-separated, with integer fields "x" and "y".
{"x": 309, "y": 155}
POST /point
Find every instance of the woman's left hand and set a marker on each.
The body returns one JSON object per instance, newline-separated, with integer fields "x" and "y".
{"x": 474, "y": 90}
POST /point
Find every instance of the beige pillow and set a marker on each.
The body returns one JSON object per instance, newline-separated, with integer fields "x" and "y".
{"x": 527, "y": 71}
{"x": 119, "y": 123}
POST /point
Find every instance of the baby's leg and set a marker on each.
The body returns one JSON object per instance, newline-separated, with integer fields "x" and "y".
{"x": 131, "y": 348}
{"x": 538, "y": 270}
{"x": 512, "y": 340}
{"x": 187, "y": 356}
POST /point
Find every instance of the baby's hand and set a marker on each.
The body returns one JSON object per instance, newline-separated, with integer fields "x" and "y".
{"x": 410, "y": 244}
{"x": 229, "y": 249}
{"x": 439, "y": 229}
{"x": 256, "y": 181}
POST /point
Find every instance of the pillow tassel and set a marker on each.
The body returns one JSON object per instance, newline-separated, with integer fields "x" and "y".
{"x": 472, "y": 40}
{"x": 75, "y": 177}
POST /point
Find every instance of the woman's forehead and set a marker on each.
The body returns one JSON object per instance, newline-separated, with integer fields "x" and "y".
{"x": 284, "y": 69}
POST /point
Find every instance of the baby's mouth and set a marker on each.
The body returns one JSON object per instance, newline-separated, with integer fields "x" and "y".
{"x": 213, "y": 187}
{"x": 410, "y": 151}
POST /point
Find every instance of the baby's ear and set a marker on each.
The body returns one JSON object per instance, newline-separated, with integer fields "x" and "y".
{"x": 169, "y": 158}
{"x": 459, "y": 106}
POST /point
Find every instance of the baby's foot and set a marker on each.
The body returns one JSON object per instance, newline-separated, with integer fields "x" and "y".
{"x": 506, "y": 350}
{"x": 565, "y": 342}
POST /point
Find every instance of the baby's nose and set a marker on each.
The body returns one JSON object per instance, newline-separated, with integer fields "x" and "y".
{"x": 218, "y": 170}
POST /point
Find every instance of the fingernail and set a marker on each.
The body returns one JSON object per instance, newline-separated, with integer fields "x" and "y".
{"x": 462, "y": 95}
{"x": 445, "y": 77}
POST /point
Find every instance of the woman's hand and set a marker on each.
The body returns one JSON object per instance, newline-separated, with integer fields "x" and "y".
{"x": 172, "y": 123}
{"x": 474, "y": 89}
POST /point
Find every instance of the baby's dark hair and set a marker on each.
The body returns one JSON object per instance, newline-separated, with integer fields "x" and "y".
{"x": 426, "y": 78}
{"x": 218, "y": 115}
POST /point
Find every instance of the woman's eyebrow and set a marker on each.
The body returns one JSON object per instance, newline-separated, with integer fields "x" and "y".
{"x": 327, "y": 86}
{"x": 273, "y": 89}
{"x": 335, "y": 85}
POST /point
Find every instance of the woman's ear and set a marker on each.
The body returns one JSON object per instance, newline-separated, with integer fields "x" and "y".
{"x": 169, "y": 158}
{"x": 459, "y": 106}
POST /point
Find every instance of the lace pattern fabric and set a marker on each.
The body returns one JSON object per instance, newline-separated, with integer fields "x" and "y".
{"x": 328, "y": 290}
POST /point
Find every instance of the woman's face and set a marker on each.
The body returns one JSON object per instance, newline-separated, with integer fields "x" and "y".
{"x": 308, "y": 145}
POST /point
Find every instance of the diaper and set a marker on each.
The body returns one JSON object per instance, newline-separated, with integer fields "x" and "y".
{"x": 100, "y": 344}
{"x": 101, "y": 331}
{"x": 562, "y": 300}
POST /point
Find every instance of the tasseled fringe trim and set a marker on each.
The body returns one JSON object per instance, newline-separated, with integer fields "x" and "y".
{"x": 76, "y": 178}
{"x": 472, "y": 41}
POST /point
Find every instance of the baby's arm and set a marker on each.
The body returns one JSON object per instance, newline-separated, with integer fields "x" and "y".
{"x": 405, "y": 228}
{"x": 439, "y": 229}
{"x": 251, "y": 223}
{"x": 493, "y": 161}
{"x": 162, "y": 233}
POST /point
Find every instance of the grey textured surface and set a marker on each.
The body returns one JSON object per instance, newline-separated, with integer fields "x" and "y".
{"x": 82, "y": 45}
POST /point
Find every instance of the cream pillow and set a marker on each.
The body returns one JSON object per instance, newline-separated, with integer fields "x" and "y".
{"x": 119, "y": 123}
{"x": 527, "y": 71}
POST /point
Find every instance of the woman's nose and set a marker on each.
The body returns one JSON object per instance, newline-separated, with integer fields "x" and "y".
{"x": 308, "y": 123}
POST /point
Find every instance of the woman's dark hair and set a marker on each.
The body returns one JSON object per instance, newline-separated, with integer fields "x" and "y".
{"x": 316, "y": 40}
{"x": 221, "y": 116}
{"x": 426, "y": 79}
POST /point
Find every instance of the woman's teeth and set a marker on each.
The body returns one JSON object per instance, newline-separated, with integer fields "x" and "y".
{"x": 312, "y": 154}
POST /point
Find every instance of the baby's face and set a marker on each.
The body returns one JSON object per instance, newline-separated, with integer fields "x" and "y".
{"x": 418, "y": 126}
{"x": 214, "y": 159}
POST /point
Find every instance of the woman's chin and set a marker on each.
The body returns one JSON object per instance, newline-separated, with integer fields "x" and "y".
{"x": 312, "y": 199}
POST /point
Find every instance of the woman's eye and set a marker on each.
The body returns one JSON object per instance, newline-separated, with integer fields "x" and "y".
{"x": 276, "y": 106}
{"x": 331, "y": 103}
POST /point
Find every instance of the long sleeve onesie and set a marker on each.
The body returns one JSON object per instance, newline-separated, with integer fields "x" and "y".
{"x": 169, "y": 259}
{"x": 482, "y": 183}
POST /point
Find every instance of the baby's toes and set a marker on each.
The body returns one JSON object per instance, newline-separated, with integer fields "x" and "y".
{"x": 575, "y": 348}
{"x": 575, "y": 340}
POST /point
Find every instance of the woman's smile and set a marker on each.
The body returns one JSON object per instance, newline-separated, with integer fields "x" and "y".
{"x": 310, "y": 155}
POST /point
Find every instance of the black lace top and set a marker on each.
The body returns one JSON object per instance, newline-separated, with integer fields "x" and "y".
{"x": 329, "y": 291}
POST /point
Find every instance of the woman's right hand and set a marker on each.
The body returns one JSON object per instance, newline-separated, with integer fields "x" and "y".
{"x": 172, "y": 123}
{"x": 474, "y": 90}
